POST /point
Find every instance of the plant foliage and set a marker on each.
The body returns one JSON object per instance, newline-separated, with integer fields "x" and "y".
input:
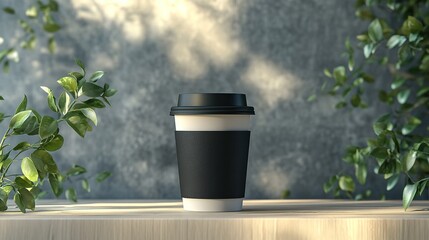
{"x": 74, "y": 107}
{"x": 395, "y": 41}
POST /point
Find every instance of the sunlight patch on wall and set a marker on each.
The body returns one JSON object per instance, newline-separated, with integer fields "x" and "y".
{"x": 271, "y": 179}
{"x": 273, "y": 83}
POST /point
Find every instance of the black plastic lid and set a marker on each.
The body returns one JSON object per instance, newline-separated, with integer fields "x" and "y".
{"x": 212, "y": 103}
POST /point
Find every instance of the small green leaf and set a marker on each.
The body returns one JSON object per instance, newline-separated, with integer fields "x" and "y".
{"x": 27, "y": 198}
{"x": 327, "y": 73}
{"x": 77, "y": 121}
{"x": 361, "y": 173}
{"x": 421, "y": 186}
{"x": 409, "y": 160}
{"x": 96, "y": 76}
{"x": 22, "y": 106}
{"x": 48, "y": 126}
{"x": 64, "y": 103}
{"x": 55, "y": 185}
{"x": 17, "y": 199}
{"x": 92, "y": 90}
{"x": 76, "y": 170}
{"x": 411, "y": 25}
{"x": 31, "y": 12}
{"x": 346, "y": 183}
{"x": 408, "y": 195}
{"x": 90, "y": 114}
{"x": 19, "y": 119}
{"x": 9, "y": 10}
{"x": 55, "y": 144}
{"x": 23, "y": 182}
{"x": 69, "y": 84}
{"x": 102, "y": 176}
{"x": 29, "y": 170}
{"x": 368, "y": 50}
{"x": 311, "y": 98}
{"x": 71, "y": 194}
{"x": 396, "y": 40}
{"x": 388, "y": 167}
{"x": 1, "y": 98}
{"x": 51, "y": 27}
{"x": 22, "y": 146}
{"x": 403, "y": 96}
{"x": 81, "y": 65}
{"x": 44, "y": 161}
{"x": 340, "y": 75}
{"x": 380, "y": 152}
{"x": 110, "y": 92}
{"x": 411, "y": 125}
{"x": 76, "y": 75}
{"x": 382, "y": 124}
{"x": 355, "y": 100}
{"x": 85, "y": 185}
{"x": 392, "y": 181}
{"x": 398, "y": 82}
{"x": 340, "y": 105}
{"x": 52, "y": 45}
{"x": 375, "y": 31}
{"x": 96, "y": 103}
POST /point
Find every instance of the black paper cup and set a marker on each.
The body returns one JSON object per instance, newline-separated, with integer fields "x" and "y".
{"x": 212, "y": 143}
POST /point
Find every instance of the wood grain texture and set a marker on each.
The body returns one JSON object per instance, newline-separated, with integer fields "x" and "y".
{"x": 260, "y": 219}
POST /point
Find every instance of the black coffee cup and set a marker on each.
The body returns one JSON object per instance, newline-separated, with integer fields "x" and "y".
{"x": 212, "y": 143}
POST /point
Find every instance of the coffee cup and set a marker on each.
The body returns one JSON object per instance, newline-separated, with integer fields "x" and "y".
{"x": 212, "y": 143}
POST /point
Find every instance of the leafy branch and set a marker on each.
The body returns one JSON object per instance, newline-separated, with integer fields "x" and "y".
{"x": 396, "y": 41}
{"x": 76, "y": 108}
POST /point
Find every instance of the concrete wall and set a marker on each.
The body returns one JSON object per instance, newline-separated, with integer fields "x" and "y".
{"x": 274, "y": 51}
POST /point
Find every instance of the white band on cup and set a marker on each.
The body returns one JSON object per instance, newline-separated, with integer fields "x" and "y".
{"x": 213, "y": 205}
{"x": 213, "y": 122}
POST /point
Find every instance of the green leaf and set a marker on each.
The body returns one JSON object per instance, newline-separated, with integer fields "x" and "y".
{"x": 403, "y": 96}
{"x": 77, "y": 121}
{"x": 355, "y": 100}
{"x": 411, "y": 125}
{"x": 51, "y": 27}
{"x": 76, "y": 75}
{"x": 110, "y": 92}
{"x": 22, "y": 106}
{"x": 340, "y": 75}
{"x": 55, "y": 144}
{"x": 27, "y": 198}
{"x": 92, "y": 90}
{"x": 382, "y": 124}
{"x": 409, "y": 160}
{"x": 396, "y": 40}
{"x": 423, "y": 91}
{"x": 411, "y": 25}
{"x": 380, "y": 152}
{"x": 392, "y": 181}
{"x": 64, "y": 103}
{"x": 81, "y": 65}
{"x": 408, "y": 195}
{"x": 327, "y": 73}
{"x": 51, "y": 99}
{"x": 22, "y": 146}
{"x": 398, "y": 82}
{"x": 29, "y": 170}
{"x": 71, "y": 194}
{"x": 44, "y": 161}
{"x": 90, "y": 114}
{"x": 19, "y": 119}
{"x": 1, "y": 98}
{"x": 69, "y": 84}
{"x": 9, "y": 10}
{"x": 48, "y": 126}
{"x": 23, "y": 182}
{"x": 32, "y": 12}
{"x": 102, "y": 176}
{"x": 17, "y": 199}
{"x": 76, "y": 170}
{"x": 96, "y": 103}
{"x": 346, "y": 183}
{"x": 96, "y": 76}
{"x": 340, "y": 105}
{"x": 421, "y": 186}
{"x": 55, "y": 185}
{"x": 375, "y": 31}
{"x": 388, "y": 167}
{"x": 85, "y": 185}
{"x": 361, "y": 173}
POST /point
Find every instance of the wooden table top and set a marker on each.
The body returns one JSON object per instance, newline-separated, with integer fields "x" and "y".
{"x": 260, "y": 219}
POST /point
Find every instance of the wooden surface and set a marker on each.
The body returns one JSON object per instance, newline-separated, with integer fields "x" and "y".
{"x": 260, "y": 219}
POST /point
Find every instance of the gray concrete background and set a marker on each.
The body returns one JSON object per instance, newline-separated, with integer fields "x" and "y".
{"x": 274, "y": 51}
